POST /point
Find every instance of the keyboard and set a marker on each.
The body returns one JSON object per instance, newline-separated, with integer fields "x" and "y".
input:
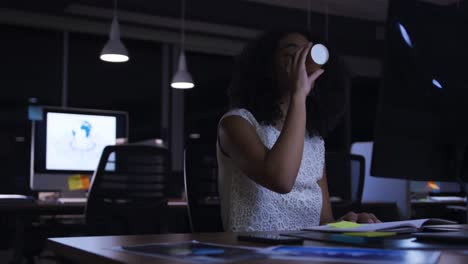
{"x": 15, "y": 199}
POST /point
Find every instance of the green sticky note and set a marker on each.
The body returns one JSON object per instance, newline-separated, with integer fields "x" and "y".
{"x": 344, "y": 224}
{"x": 370, "y": 234}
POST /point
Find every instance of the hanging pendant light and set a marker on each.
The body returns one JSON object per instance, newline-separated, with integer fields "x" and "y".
{"x": 182, "y": 78}
{"x": 114, "y": 50}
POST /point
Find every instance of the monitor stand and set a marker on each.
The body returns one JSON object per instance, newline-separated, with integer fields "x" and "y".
{"x": 50, "y": 182}
{"x": 54, "y": 183}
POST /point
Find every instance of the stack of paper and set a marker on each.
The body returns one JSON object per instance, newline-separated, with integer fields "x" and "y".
{"x": 396, "y": 226}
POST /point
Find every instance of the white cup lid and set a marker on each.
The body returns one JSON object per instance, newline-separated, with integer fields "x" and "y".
{"x": 319, "y": 54}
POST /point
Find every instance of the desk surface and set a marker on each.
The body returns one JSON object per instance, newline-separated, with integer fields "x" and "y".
{"x": 55, "y": 208}
{"x": 42, "y": 208}
{"x": 97, "y": 249}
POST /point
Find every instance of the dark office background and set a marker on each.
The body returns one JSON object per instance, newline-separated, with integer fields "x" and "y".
{"x": 32, "y": 71}
{"x": 49, "y": 55}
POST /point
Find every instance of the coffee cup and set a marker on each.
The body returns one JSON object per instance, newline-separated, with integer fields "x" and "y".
{"x": 317, "y": 57}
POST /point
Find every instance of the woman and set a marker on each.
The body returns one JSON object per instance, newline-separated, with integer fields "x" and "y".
{"x": 270, "y": 145}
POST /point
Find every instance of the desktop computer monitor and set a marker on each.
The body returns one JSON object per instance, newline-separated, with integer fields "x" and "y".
{"x": 421, "y": 128}
{"x": 67, "y": 142}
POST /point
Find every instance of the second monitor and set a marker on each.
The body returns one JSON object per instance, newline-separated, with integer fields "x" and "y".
{"x": 67, "y": 142}
{"x": 421, "y": 129}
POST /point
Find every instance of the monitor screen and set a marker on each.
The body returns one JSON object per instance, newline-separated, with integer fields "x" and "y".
{"x": 76, "y": 141}
{"x": 71, "y": 140}
{"x": 421, "y": 115}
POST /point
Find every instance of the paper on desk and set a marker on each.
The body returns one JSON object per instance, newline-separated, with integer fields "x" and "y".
{"x": 386, "y": 226}
{"x": 351, "y": 255}
{"x": 196, "y": 252}
{"x": 208, "y": 253}
{"x": 447, "y": 199}
{"x": 344, "y": 224}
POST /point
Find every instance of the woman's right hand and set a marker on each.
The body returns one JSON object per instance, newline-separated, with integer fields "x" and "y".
{"x": 300, "y": 82}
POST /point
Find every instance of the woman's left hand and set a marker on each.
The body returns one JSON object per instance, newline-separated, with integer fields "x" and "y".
{"x": 364, "y": 218}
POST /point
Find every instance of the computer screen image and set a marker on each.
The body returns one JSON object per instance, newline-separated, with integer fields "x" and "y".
{"x": 75, "y": 141}
{"x": 69, "y": 141}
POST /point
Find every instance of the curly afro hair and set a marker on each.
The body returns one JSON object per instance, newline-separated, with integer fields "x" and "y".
{"x": 254, "y": 87}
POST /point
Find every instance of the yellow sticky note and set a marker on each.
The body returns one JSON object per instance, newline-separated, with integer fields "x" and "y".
{"x": 78, "y": 182}
{"x": 370, "y": 234}
{"x": 344, "y": 224}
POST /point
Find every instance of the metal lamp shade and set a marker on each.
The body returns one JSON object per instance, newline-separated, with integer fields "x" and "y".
{"x": 114, "y": 50}
{"x": 182, "y": 79}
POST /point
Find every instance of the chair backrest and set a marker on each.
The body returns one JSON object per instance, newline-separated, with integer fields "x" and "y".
{"x": 345, "y": 175}
{"x": 358, "y": 170}
{"x": 201, "y": 188}
{"x": 128, "y": 191}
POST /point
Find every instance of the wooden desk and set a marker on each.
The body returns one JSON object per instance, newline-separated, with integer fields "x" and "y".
{"x": 53, "y": 208}
{"x": 97, "y": 249}
{"x": 41, "y": 208}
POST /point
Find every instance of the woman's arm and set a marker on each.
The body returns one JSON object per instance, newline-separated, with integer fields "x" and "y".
{"x": 277, "y": 168}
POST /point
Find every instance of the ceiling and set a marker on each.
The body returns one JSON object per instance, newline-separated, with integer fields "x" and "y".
{"x": 214, "y": 26}
{"x": 375, "y": 10}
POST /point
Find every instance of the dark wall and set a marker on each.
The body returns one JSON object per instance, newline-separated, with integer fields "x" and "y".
{"x": 32, "y": 67}
{"x": 207, "y": 102}
{"x": 133, "y": 86}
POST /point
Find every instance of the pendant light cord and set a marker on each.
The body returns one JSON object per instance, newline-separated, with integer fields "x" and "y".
{"x": 308, "y": 15}
{"x": 326, "y": 21}
{"x": 115, "y": 8}
{"x": 182, "y": 22}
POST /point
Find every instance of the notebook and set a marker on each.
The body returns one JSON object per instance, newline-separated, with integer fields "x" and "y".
{"x": 396, "y": 226}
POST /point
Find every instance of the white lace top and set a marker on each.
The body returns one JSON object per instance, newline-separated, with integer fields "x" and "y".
{"x": 248, "y": 206}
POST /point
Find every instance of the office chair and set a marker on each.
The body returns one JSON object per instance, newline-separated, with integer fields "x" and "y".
{"x": 345, "y": 176}
{"x": 358, "y": 171}
{"x": 201, "y": 188}
{"x": 128, "y": 191}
